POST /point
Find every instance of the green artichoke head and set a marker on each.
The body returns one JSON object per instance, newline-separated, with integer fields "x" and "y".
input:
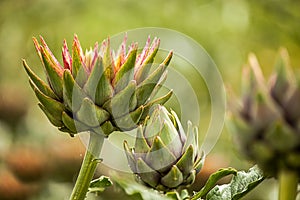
{"x": 99, "y": 90}
{"x": 267, "y": 121}
{"x": 164, "y": 156}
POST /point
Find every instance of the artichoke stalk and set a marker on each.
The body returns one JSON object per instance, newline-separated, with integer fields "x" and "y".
{"x": 98, "y": 90}
{"x": 164, "y": 156}
{"x": 266, "y": 123}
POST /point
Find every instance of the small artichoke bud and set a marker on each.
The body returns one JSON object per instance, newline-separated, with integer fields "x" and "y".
{"x": 98, "y": 90}
{"x": 164, "y": 156}
{"x": 267, "y": 123}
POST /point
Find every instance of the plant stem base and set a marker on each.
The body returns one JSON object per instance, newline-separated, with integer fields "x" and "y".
{"x": 288, "y": 182}
{"x": 88, "y": 167}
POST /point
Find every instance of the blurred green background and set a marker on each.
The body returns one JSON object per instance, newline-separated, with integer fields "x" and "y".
{"x": 38, "y": 162}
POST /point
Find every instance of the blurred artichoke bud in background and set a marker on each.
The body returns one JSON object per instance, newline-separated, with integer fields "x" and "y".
{"x": 267, "y": 124}
{"x": 164, "y": 156}
{"x": 98, "y": 91}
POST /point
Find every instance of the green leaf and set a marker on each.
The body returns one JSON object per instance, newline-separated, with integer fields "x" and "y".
{"x": 66, "y": 130}
{"x": 191, "y": 137}
{"x": 100, "y": 184}
{"x": 148, "y": 175}
{"x": 240, "y": 185}
{"x": 81, "y": 77}
{"x": 90, "y": 114}
{"x": 159, "y": 156}
{"x": 107, "y": 60}
{"x": 125, "y": 73}
{"x": 173, "y": 178}
{"x": 41, "y": 85}
{"x": 184, "y": 194}
{"x": 178, "y": 126}
{"x": 76, "y": 56}
{"x": 159, "y": 84}
{"x": 170, "y": 137}
{"x": 104, "y": 90}
{"x": 283, "y": 77}
{"x": 130, "y": 157}
{"x": 90, "y": 86}
{"x": 133, "y": 188}
{"x": 141, "y": 145}
{"x": 54, "y": 107}
{"x": 153, "y": 126}
{"x": 160, "y": 100}
{"x": 185, "y": 163}
{"x": 72, "y": 93}
{"x": 175, "y": 195}
{"x": 106, "y": 128}
{"x": 167, "y": 60}
{"x": 53, "y": 71}
{"x": 212, "y": 180}
{"x": 54, "y": 119}
{"x": 119, "y": 105}
{"x": 145, "y": 89}
{"x": 73, "y": 125}
{"x": 191, "y": 178}
{"x": 199, "y": 162}
{"x": 130, "y": 121}
{"x": 143, "y": 70}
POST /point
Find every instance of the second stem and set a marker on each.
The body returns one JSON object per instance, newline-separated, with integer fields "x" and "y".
{"x": 288, "y": 181}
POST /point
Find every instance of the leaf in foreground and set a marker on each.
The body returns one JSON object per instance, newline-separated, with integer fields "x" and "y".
{"x": 134, "y": 188}
{"x": 242, "y": 183}
{"x": 212, "y": 180}
{"x": 100, "y": 184}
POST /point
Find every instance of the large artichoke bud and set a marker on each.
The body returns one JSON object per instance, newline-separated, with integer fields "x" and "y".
{"x": 267, "y": 124}
{"x": 164, "y": 156}
{"x": 98, "y": 90}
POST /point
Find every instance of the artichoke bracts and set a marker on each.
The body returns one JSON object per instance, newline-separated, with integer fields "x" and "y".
{"x": 267, "y": 124}
{"x": 98, "y": 90}
{"x": 164, "y": 156}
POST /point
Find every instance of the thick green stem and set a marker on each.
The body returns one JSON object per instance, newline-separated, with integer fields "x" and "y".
{"x": 288, "y": 182}
{"x": 88, "y": 167}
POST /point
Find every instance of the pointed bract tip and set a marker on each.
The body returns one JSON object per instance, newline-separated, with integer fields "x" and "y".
{"x": 156, "y": 42}
{"x": 125, "y": 145}
{"x": 125, "y": 38}
{"x": 167, "y": 61}
{"x": 256, "y": 69}
{"x": 75, "y": 36}
{"x": 65, "y": 43}
{"x": 43, "y": 41}
{"x": 67, "y": 59}
{"x": 105, "y": 44}
{"x": 36, "y": 45}
{"x": 148, "y": 40}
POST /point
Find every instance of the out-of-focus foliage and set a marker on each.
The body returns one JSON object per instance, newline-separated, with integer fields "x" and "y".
{"x": 228, "y": 30}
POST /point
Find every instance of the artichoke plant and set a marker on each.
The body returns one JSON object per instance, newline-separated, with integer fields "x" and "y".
{"x": 164, "y": 156}
{"x": 267, "y": 124}
{"x": 99, "y": 90}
